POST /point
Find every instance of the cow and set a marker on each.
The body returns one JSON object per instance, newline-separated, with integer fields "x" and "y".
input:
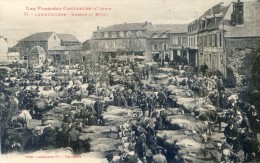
{"x": 24, "y": 118}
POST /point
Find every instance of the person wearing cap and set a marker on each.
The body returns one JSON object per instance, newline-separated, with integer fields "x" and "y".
{"x": 159, "y": 157}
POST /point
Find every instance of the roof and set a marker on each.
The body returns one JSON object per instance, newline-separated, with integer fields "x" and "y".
{"x": 126, "y": 27}
{"x": 65, "y": 48}
{"x": 68, "y": 38}
{"x": 170, "y": 28}
{"x": 250, "y": 28}
{"x": 37, "y": 50}
{"x": 41, "y": 36}
{"x": 215, "y": 16}
{"x": 4, "y": 38}
{"x": 14, "y": 49}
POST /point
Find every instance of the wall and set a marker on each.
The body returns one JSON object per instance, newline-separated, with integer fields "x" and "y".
{"x": 3, "y": 49}
{"x": 240, "y": 54}
{"x": 159, "y": 42}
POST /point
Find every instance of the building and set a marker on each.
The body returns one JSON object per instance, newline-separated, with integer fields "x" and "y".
{"x": 205, "y": 38}
{"x": 152, "y": 42}
{"x": 68, "y": 40}
{"x": 57, "y": 47}
{"x": 13, "y": 54}
{"x": 120, "y": 40}
{"x": 242, "y": 38}
{"x": 216, "y": 37}
{"x": 46, "y": 40}
{"x": 165, "y": 41}
{"x": 3, "y": 48}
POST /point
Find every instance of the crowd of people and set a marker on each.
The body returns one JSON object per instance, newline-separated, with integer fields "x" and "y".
{"x": 127, "y": 85}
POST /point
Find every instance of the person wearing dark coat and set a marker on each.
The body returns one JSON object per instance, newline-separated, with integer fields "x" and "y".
{"x": 245, "y": 122}
{"x": 98, "y": 106}
{"x": 32, "y": 144}
{"x": 150, "y": 133}
{"x": 158, "y": 122}
{"x": 222, "y": 101}
{"x": 231, "y": 134}
{"x": 151, "y": 105}
{"x": 73, "y": 137}
{"x": 141, "y": 149}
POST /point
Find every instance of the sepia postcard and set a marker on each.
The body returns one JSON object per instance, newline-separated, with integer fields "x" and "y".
{"x": 119, "y": 81}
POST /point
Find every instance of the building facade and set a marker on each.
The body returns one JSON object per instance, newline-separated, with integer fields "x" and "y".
{"x": 153, "y": 42}
{"x": 57, "y": 47}
{"x": 216, "y": 37}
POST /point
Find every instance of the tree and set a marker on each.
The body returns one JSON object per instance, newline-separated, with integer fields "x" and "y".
{"x": 7, "y": 111}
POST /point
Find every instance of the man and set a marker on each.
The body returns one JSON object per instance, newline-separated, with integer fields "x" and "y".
{"x": 110, "y": 157}
{"x": 73, "y": 137}
{"x": 245, "y": 122}
{"x": 231, "y": 133}
{"x": 32, "y": 144}
{"x": 159, "y": 157}
{"x": 204, "y": 68}
{"x": 98, "y": 106}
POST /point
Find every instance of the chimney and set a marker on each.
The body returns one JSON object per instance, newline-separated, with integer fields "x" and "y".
{"x": 237, "y": 17}
{"x": 98, "y": 27}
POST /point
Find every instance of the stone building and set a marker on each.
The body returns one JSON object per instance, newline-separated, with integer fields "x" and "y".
{"x": 216, "y": 37}
{"x": 128, "y": 39}
{"x": 152, "y": 42}
{"x": 57, "y": 47}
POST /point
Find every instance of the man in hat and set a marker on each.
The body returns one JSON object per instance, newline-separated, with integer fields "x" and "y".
{"x": 98, "y": 106}
{"x": 159, "y": 157}
{"x": 231, "y": 133}
{"x": 73, "y": 137}
{"x": 245, "y": 122}
{"x": 110, "y": 157}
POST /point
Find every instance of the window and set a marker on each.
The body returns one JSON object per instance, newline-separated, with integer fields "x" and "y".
{"x": 184, "y": 40}
{"x": 164, "y": 46}
{"x": 94, "y": 34}
{"x": 54, "y": 37}
{"x": 155, "y": 35}
{"x": 220, "y": 40}
{"x": 102, "y": 34}
{"x": 205, "y": 41}
{"x": 114, "y": 34}
{"x": 215, "y": 40}
{"x": 106, "y": 45}
{"x": 139, "y": 33}
{"x": 210, "y": 40}
{"x": 121, "y": 34}
{"x": 155, "y": 46}
{"x": 163, "y": 35}
{"x": 175, "y": 40}
{"x": 114, "y": 44}
{"x": 26, "y": 57}
{"x": 129, "y": 34}
{"x": 106, "y": 34}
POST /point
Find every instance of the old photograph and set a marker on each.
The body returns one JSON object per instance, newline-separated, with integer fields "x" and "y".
{"x": 118, "y": 81}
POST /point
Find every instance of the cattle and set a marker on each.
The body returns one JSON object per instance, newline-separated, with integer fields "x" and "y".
{"x": 24, "y": 118}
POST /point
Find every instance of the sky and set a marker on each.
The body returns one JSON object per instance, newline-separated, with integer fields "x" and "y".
{"x": 15, "y": 25}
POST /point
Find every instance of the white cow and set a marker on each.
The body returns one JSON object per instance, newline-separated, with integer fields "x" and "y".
{"x": 24, "y": 118}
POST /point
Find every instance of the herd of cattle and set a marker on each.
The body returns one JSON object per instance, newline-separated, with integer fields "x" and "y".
{"x": 172, "y": 102}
